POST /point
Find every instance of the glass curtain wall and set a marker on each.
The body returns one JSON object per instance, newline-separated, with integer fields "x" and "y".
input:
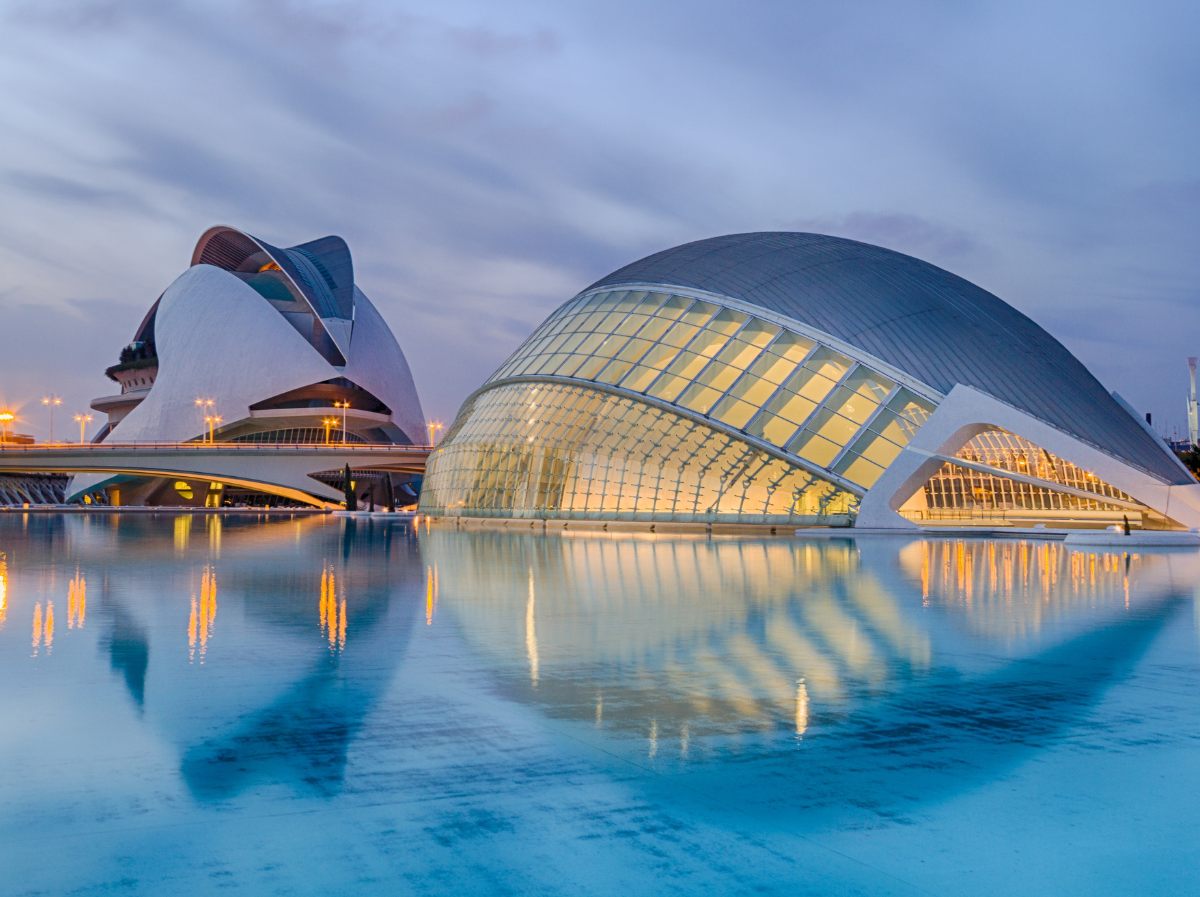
{"x": 960, "y": 492}
{"x": 556, "y": 450}
{"x": 750, "y": 374}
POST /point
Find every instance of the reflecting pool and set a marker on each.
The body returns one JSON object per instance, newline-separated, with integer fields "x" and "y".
{"x": 308, "y": 705}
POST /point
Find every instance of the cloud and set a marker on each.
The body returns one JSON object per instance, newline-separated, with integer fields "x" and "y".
{"x": 485, "y": 161}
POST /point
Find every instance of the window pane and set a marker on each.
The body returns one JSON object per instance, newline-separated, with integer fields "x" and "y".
{"x": 773, "y": 368}
{"x": 654, "y": 328}
{"x": 739, "y": 353}
{"x": 734, "y": 412}
{"x": 639, "y": 378}
{"x": 758, "y": 333}
{"x": 828, "y": 363}
{"x": 651, "y": 303}
{"x": 668, "y": 387}
{"x": 810, "y": 385}
{"x": 870, "y": 384}
{"x": 859, "y": 470}
{"x": 792, "y": 346}
{"x": 814, "y": 448}
{"x": 680, "y": 335}
{"x": 728, "y": 321}
{"x": 833, "y": 427}
{"x": 707, "y": 343}
{"x": 633, "y": 350}
{"x": 753, "y": 390}
{"x": 688, "y": 365}
{"x": 791, "y": 406}
{"x": 660, "y": 356}
{"x": 875, "y": 448}
{"x": 853, "y": 405}
{"x": 719, "y": 376}
{"x": 699, "y": 398}
{"x": 699, "y": 313}
{"x": 774, "y": 429}
{"x": 614, "y": 372}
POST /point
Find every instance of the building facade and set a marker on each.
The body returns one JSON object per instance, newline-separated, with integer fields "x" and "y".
{"x": 800, "y": 379}
{"x": 256, "y": 344}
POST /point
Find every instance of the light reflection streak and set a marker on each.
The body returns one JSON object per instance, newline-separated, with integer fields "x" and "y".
{"x": 801, "y": 708}
{"x": 431, "y": 594}
{"x": 531, "y": 645}
{"x": 3, "y": 588}
{"x": 76, "y": 601}
{"x": 333, "y": 609}
{"x": 203, "y": 616}
{"x": 37, "y": 627}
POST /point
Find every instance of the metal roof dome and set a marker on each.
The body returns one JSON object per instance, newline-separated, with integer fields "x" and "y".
{"x": 929, "y": 323}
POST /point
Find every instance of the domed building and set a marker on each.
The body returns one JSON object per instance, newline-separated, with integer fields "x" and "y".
{"x": 256, "y": 344}
{"x": 789, "y": 379}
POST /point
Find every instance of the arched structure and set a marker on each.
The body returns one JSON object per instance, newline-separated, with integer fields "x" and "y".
{"x": 259, "y": 344}
{"x": 788, "y": 378}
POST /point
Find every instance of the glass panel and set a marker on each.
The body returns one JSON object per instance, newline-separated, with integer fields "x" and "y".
{"x": 828, "y": 363}
{"x": 774, "y": 429}
{"x": 708, "y": 343}
{"x": 699, "y": 313}
{"x": 739, "y": 353}
{"x": 614, "y": 372}
{"x": 591, "y": 367}
{"x": 612, "y": 458}
{"x": 813, "y": 448}
{"x": 680, "y": 335}
{"x": 810, "y": 385}
{"x": 639, "y": 378}
{"x": 660, "y": 356}
{"x": 753, "y": 390}
{"x": 667, "y": 387}
{"x": 728, "y": 321}
{"x": 758, "y": 333}
{"x": 853, "y": 405}
{"x": 719, "y": 376}
{"x": 699, "y": 398}
{"x": 869, "y": 384}
{"x": 833, "y": 427}
{"x": 609, "y": 300}
{"x": 651, "y": 303}
{"x": 631, "y": 324}
{"x": 688, "y": 365}
{"x": 654, "y": 328}
{"x": 875, "y": 448}
{"x": 859, "y": 470}
{"x": 633, "y": 350}
{"x": 734, "y": 412}
{"x": 792, "y": 346}
{"x": 772, "y": 368}
{"x": 674, "y": 307}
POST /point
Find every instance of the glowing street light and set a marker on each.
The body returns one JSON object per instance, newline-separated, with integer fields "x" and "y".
{"x": 6, "y": 419}
{"x": 343, "y": 406}
{"x": 83, "y": 420}
{"x": 212, "y": 420}
{"x": 329, "y": 422}
{"x": 433, "y": 425}
{"x": 205, "y": 406}
{"x": 52, "y": 400}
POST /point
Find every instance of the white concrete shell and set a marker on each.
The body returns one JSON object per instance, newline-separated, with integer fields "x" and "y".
{"x": 378, "y": 366}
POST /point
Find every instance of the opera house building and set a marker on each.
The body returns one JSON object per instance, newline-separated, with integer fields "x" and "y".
{"x": 256, "y": 344}
{"x": 789, "y": 379}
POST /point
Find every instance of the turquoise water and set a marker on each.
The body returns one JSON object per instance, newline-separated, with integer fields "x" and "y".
{"x": 319, "y": 706}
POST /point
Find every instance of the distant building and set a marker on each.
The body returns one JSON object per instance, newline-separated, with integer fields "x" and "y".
{"x": 257, "y": 344}
{"x": 786, "y": 379}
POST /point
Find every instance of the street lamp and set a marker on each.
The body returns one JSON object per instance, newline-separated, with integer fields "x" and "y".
{"x": 212, "y": 420}
{"x": 205, "y": 406}
{"x": 329, "y": 422}
{"x": 83, "y": 420}
{"x": 343, "y": 406}
{"x": 433, "y": 425}
{"x": 6, "y": 419}
{"x": 52, "y": 400}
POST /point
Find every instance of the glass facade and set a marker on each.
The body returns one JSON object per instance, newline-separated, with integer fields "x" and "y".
{"x": 961, "y": 492}
{"x": 538, "y": 449}
{"x": 773, "y": 384}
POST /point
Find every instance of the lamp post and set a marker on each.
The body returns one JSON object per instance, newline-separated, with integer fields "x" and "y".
{"x": 212, "y": 420}
{"x": 329, "y": 422}
{"x": 82, "y": 420}
{"x": 6, "y": 419}
{"x": 433, "y": 425}
{"x": 343, "y": 406}
{"x": 205, "y": 406}
{"x": 52, "y": 400}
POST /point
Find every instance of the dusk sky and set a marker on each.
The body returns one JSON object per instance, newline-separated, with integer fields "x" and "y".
{"x": 486, "y": 161}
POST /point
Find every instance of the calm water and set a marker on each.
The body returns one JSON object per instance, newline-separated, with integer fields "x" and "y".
{"x": 317, "y": 706}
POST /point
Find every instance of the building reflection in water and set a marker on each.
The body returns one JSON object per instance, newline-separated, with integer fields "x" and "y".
{"x": 687, "y": 637}
{"x": 43, "y": 628}
{"x": 203, "y": 615}
{"x": 1011, "y": 588}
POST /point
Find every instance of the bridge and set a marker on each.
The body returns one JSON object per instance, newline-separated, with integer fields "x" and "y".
{"x": 278, "y": 468}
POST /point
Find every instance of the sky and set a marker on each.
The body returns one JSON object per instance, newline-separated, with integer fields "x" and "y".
{"x": 486, "y": 161}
